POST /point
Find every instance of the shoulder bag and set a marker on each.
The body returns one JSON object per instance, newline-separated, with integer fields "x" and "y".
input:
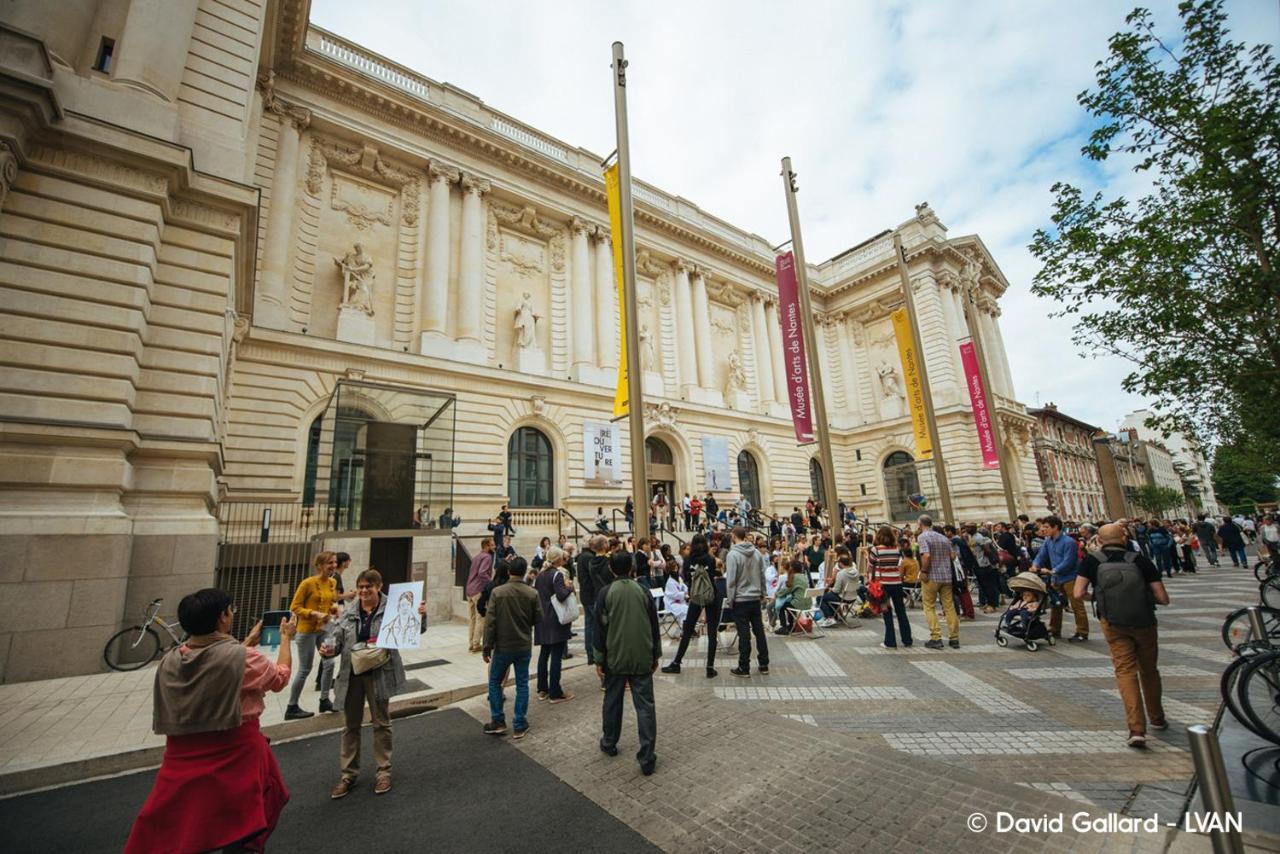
{"x": 566, "y": 611}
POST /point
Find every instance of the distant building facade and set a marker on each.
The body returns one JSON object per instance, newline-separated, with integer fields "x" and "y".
{"x": 1068, "y": 465}
{"x": 1185, "y": 450}
{"x": 1122, "y": 470}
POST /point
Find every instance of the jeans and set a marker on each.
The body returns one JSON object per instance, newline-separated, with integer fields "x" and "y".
{"x": 589, "y": 630}
{"x": 549, "y": 676}
{"x": 828, "y": 604}
{"x": 1164, "y": 561}
{"x": 1238, "y": 557}
{"x": 1188, "y": 559}
{"x": 1134, "y": 654}
{"x": 497, "y": 669}
{"x": 747, "y": 614}
{"x": 931, "y": 592}
{"x": 307, "y": 642}
{"x": 1210, "y": 549}
{"x": 360, "y": 690}
{"x": 988, "y": 578}
{"x": 646, "y": 712}
{"x": 691, "y": 623}
{"x": 1068, "y": 590}
{"x": 899, "y": 607}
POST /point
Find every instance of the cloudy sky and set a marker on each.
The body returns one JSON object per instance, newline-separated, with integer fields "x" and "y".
{"x": 880, "y": 105}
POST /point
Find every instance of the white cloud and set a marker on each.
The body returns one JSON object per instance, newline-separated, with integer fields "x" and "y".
{"x": 880, "y": 105}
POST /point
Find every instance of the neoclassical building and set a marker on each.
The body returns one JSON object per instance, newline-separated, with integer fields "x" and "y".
{"x": 261, "y": 286}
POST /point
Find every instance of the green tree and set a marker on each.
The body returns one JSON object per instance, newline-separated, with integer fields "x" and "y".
{"x": 1181, "y": 282}
{"x": 1241, "y": 477}
{"x": 1156, "y": 500}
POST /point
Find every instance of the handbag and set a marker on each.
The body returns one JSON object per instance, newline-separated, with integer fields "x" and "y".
{"x": 566, "y": 611}
{"x": 366, "y": 658}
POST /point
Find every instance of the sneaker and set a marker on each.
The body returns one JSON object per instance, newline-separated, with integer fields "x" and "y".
{"x": 326, "y": 706}
{"x": 382, "y": 785}
{"x": 988, "y": 610}
{"x": 563, "y": 698}
{"x": 293, "y": 713}
{"x": 1161, "y": 724}
{"x": 954, "y": 643}
{"x": 1077, "y": 639}
{"x": 738, "y": 671}
{"x": 711, "y": 673}
{"x": 764, "y": 669}
{"x": 495, "y": 728}
{"x": 542, "y": 695}
{"x": 608, "y": 751}
{"x": 888, "y": 646}
{"x": 673, "y": 667}
{"x": 933, "y": 644}
{"x": 520, "y": 731}
{"x": 827, "y": 623}
{"x": 345, "y": 785}
{"x": 646, "y": 768}
{"x": 1137, "y": 739}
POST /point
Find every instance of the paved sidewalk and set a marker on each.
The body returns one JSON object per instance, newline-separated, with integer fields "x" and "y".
{"x": 71, "y": 728}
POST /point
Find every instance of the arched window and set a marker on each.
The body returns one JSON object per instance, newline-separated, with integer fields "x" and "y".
{"x": 656, "y": 451}
{"x": 749, "y": 478}
{"x": 530, "y": 482}
{"x": 900, "y": 483}
{"x": 816, "y": 485}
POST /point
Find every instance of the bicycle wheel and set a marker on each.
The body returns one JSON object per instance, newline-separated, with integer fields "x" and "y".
{"x": 1262, "y": 570}
{"x": 1258, "y": 690}
{"x": 132, "y": 648}
{"x": 1229, "y": 685}
{"x": 1237, "y": 630}
{"x": 1269, "y": 592}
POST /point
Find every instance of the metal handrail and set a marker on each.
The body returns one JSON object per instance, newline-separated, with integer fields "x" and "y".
{"x": 578, "y": 523}
{"x": 618, "y": 529}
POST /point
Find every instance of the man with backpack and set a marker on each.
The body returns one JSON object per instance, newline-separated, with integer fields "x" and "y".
{"x": 700, "y": 576}
{"x": 1126, "y": 588}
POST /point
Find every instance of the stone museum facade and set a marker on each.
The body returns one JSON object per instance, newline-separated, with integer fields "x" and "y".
{"x": 257, "y": 283}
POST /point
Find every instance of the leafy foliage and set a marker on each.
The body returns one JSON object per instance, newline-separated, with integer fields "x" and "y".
{"x": 1240, "y": 477}
{"x": 1181, "y": 282}
{"x": 1156, "y": 500}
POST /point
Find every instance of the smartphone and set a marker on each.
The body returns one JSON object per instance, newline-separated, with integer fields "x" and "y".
{"x": 271, "y": 621}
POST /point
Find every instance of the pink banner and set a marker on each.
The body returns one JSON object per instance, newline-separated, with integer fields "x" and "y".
{"x": 797, "y": 368}
{"x": 981, "y": 412}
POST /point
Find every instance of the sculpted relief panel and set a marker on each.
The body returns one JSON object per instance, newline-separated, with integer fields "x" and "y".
{"x": 523, "y": 302}
{"x": 888, "y": 391}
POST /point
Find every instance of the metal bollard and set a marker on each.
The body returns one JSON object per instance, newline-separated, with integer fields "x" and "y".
{"x": 1257, "y": 626}
{"x": 1215, "y": 793}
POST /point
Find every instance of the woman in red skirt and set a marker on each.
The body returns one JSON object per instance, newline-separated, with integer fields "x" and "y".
{"x": 219, "y": 786}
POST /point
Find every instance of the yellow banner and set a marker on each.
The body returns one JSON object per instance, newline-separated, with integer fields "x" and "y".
{"x": 911, "y": 378}
{"x": 621, "y": 397}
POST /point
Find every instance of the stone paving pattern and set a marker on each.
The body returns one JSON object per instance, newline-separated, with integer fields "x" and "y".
{"x": 843, "y": 748}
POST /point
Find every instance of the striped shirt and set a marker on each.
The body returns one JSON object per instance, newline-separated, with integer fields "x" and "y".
{"x": 935, "y": 556}
{"x": 885, "y": 564}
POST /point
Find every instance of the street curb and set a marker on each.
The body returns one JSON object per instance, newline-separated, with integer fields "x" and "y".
{"x": 94, "y": 767}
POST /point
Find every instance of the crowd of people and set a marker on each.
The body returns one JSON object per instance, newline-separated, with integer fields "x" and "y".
{"x": 789, "y": 573}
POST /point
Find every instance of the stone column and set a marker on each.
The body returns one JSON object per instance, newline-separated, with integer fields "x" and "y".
{"x": 272, "y": 297}
{"x": 606, "y": 290}
{"x": 153, "y": 46}
{"x": 848, "y": 371}
{"x": 953, "y": 322}
{"x": 944, "y": 373}
{"x": 997, "y": 359}
{"x": 775, "y": 350}
{"x": 764, "y": 355}
{"x": 702, "y": 329}
{"x": 435, "y": 279}
{"x": 470, "y": 320}
{"x": 581, "y": 313}
{"x": 686, "y": 346}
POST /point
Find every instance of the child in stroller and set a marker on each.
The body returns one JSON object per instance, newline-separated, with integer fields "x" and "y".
{"x": 1024, "y": 619}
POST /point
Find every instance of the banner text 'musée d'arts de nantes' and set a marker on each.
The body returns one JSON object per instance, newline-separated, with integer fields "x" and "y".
{"x": 981, "y": 411}
{"x": 912, "y": 381}
{"x": 621, "y": 394}
{"x": 797, "y": 369}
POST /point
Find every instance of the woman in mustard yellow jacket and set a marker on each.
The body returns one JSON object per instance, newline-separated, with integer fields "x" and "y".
{"x": 315, "y": 604}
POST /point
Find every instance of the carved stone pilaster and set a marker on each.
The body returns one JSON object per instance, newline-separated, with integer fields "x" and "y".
{"x": 474, "y": 185}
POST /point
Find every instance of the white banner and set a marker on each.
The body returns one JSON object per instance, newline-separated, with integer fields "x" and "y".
{"x": 600, "y": 447}
{"x": 715, "y": 464}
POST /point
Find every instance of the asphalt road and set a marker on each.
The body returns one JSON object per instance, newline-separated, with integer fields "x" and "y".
{"x": 456, "y": 789}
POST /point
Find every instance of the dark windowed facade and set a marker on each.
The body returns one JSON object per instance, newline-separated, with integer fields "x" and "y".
{"x": 900, "y": 483}
{"x": 816, "y": 486}
{"x": 530, "y": 478}
{"x": 749, "y": 478}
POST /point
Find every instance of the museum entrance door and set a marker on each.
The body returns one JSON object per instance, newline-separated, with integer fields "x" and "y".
{"x": 660, "y": 474}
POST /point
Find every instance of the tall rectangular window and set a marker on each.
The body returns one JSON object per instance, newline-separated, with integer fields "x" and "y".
{"x": 106, "y": 49}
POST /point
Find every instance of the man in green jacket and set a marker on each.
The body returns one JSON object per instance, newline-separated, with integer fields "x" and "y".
{"x": 513, "y": 611}
{"x": 627, "y": 649}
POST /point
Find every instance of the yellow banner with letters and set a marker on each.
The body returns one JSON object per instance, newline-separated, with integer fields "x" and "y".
{"x": 621, "y": 396}
{"x": 914, "y": 386}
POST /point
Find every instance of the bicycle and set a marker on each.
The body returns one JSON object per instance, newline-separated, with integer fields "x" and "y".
{"x": 1269, "y": 592}
{"x": 1237, "y": 631}
{"x": 137, "y": 646}
{"x": 1250, "y": 684}
{"x": 1265, "y": 569}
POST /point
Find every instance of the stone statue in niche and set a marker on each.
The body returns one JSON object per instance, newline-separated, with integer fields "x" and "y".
{"x": 891, "y": 385}
{"x": 526, "y": 323}
{"x": 357, "y": 280}
{"x": 737, "y": 377}
{"x": 648, "y": 353}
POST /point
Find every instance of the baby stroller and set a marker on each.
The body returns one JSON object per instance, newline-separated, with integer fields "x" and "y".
{"x": 1024, "y": 624}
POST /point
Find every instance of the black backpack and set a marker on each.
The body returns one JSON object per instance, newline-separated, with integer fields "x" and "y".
{"x": 1121, "y": 595}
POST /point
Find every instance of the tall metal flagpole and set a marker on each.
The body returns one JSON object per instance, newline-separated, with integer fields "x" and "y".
{"x": 811, "y": 351}
{"x": 939, "y": 466}
{"x": 634, "y": 374}
{"x": 1006, "y": 482}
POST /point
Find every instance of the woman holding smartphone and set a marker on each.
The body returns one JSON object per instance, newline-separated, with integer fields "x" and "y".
{"x": 314, "y": 604}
